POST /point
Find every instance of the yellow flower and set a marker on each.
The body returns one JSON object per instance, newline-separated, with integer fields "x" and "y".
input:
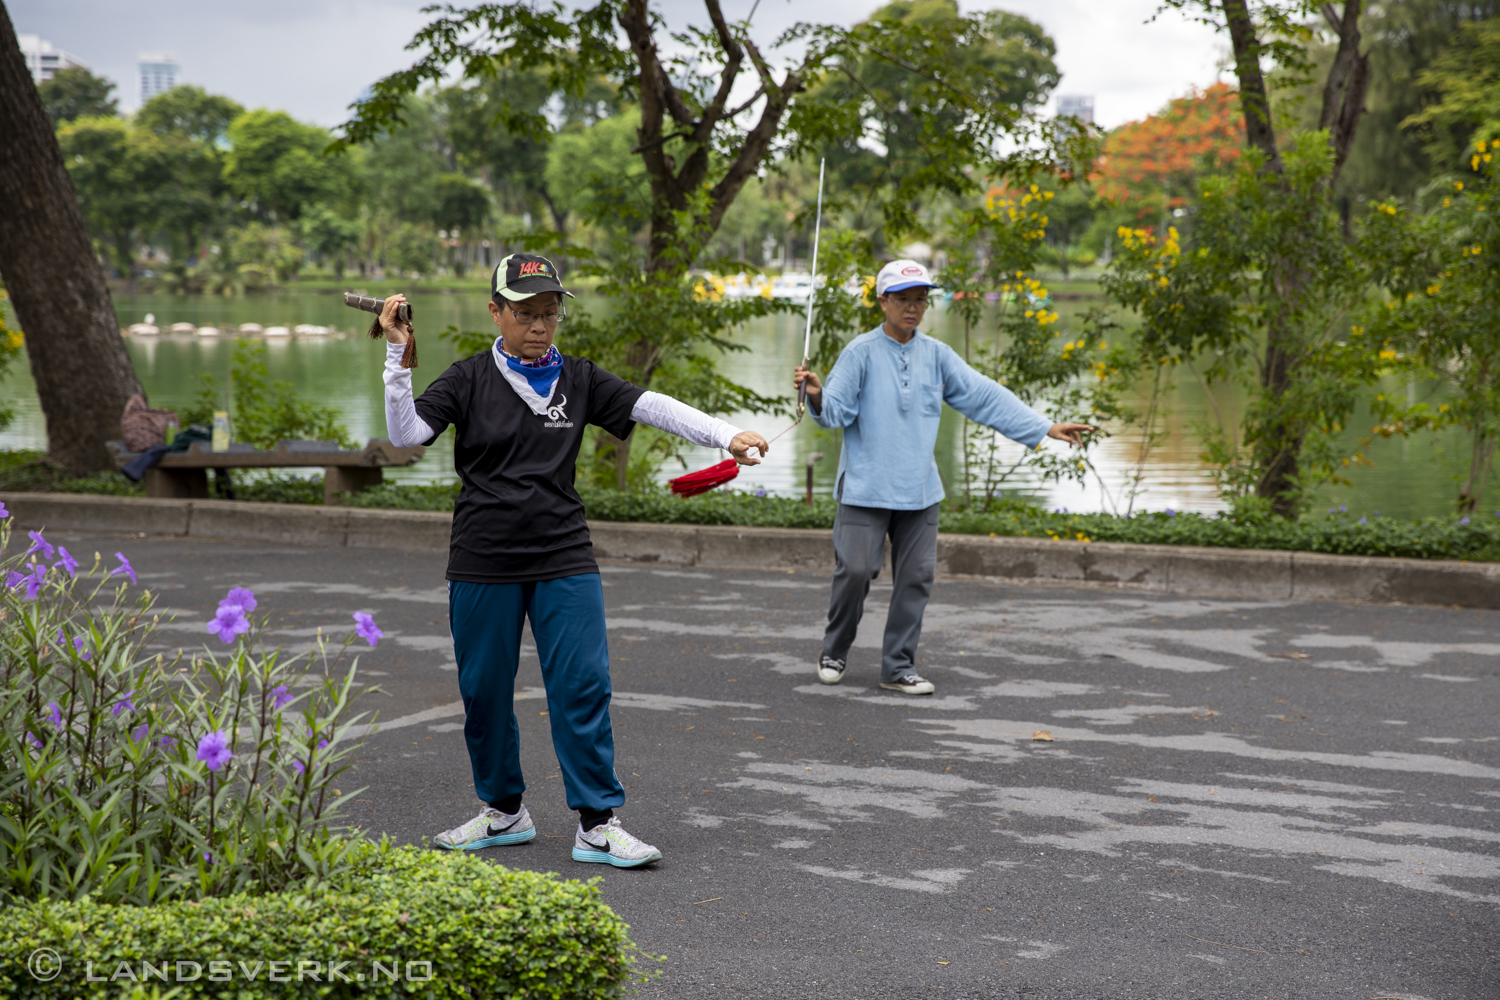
{"x": 1458, "y": 185}
{"x": 1434, "y": 288}
{"x": 1387, "y": 355}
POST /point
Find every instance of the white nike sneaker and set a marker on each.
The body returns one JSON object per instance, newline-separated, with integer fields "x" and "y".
{"x": 609, "y": 844}
{"x": 830, "y": 670}
{"x": 909, "y": 684}
{"x": 491, "y": 828}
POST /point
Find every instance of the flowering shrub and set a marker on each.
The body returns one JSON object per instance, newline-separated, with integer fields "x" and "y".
{"x": 131, "y": 777}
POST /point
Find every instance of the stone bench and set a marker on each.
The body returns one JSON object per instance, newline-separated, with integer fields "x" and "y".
{"x": 184, "y": 474}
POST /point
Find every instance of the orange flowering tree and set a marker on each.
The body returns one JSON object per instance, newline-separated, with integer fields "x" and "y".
{"x": 1152, "y": 167}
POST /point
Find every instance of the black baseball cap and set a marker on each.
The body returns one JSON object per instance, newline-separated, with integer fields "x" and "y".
{"x": 522, "y": 275}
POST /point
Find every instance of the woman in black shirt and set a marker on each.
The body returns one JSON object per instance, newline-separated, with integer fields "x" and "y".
{"x": 520, "y": 547}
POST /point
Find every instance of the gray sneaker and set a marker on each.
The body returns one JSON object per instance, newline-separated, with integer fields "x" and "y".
{"x": 830, "y": 671}
{"x": 909, "y": 684}
{"x": 491, "y": 828}
{"x": 609, "y": 844}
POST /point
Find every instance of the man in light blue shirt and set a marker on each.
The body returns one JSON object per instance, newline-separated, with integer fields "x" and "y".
{"x": 887, "y": 392}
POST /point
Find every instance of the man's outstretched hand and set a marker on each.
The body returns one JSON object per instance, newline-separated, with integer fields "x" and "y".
{"x": 1071, "y": 433}
{"x": 745, "y": 442}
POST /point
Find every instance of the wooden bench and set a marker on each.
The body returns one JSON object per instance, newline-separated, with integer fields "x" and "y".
{"x": 184, "y": 474}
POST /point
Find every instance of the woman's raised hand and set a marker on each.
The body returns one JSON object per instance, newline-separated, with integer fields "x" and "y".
{"x": 396, "y": 332}
{"x": 744, "y": 443}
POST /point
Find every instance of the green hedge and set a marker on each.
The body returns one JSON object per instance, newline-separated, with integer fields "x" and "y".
{"x": 487, "y": 932}
{"x": 1476, "y": 539}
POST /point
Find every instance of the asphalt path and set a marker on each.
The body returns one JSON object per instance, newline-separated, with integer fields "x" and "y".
{"x": 1241, "y": 798}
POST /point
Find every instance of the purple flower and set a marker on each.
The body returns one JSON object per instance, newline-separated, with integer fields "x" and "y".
{"x": 280, "y": 698}
{"x": 3, "y": 511}
{"x": 1332, "y": 509}
{"x": 124, "y": 567}
{"x": 214, "y": 750}
{"x": 54, "y": 714}
{"x": 15, "y": 579}
{"x": 208, "y": 858}
{"x": 34, "y": 580}
{"x": 34, "y": 740}
{"x": 366, "y": 629}
{"x": 124, "y": 704}
{"x": 39, "y": 544}
{"x": 67, "y": 562}
{"x": 1463, "y": 520}
{"x": 78, "y": 643}
{"x": 1364, "y": 521}
{"x": 299, "y": 767}
{"x": 166, "y": 743}
{"x": 1170, "y": 512}
{"x": 229, "y": 621}
{"x": 241, "y": 596}
{"x": 139, "y": 732}
{"x": 1343, "y": 510}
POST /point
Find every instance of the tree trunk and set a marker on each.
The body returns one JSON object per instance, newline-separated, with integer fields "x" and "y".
{"x": 1254, "y": 100}
{"x": 1344, "y": 92}
{"x": 78, "y": 359}
{"x": 1280, "y": 444}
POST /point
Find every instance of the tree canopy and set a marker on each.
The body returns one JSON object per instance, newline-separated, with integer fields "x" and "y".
{"x": 701, "y": 143}
{"x": 75, "y": 93}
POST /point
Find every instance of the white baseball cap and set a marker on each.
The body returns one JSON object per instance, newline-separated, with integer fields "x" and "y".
{"x": 900, "y": 275}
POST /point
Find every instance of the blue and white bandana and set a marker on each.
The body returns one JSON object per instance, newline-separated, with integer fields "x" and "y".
{"x": 534, "y": 381}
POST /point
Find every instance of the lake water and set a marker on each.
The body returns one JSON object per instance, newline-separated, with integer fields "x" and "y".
{"x": 342, "y": 370}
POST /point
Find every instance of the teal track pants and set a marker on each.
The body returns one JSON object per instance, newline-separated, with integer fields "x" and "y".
{"x": 567, "y": 619}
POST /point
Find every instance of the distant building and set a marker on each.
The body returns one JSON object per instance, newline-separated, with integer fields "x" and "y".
{"x": 43, "y": 60}
{"x": 1076, "y": 105}
{"x": 158, "y": 74}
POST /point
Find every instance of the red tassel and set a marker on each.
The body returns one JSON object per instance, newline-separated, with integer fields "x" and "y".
{"x": 693, "y": 483}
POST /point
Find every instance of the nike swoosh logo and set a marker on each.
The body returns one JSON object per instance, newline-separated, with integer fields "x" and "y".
{"x": 492, "y": 832}
{"x": 601, "y": 848}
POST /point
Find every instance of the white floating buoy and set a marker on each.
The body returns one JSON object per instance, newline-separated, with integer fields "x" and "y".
{"x": 309, "y": 330}
{"x": 183, "y": 328}
{"x": 150, "y": 318}
{"x": 144, "y": 329}
{"x": 278, "y": 331}
{"x": 251, "y": 328}
{"x": 208, "y": 331}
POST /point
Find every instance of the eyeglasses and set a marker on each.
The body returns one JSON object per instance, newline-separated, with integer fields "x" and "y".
{"x": 911, "y": 305}
{"x": 550, "y": 318}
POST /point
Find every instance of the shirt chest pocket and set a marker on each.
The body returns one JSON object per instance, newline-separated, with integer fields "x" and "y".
{"x": 930, "y": 399}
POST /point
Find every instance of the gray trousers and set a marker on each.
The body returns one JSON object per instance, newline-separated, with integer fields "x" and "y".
{"x": 859, "y": 535}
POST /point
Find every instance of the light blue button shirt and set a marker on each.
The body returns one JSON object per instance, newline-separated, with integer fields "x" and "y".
{"x": 888, "y": 397}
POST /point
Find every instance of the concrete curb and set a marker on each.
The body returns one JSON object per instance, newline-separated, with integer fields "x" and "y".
{"x": 1250, "y": 573}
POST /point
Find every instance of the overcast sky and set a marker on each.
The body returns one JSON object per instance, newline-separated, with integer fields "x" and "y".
{"x": 313, "y": 57}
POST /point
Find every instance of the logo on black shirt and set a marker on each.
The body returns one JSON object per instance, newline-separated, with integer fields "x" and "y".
{"x": 556, "y": 416}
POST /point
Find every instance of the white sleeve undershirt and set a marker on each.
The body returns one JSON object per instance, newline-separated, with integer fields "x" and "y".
{"x": 402, "y": 425}
{"x": 405, "y": 428}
